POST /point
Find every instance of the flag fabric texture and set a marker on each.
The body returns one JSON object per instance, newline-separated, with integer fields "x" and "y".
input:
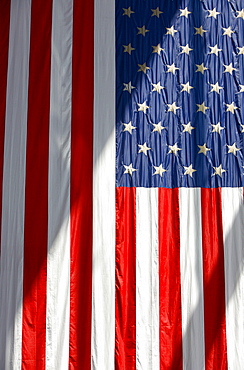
{"x": 121, "y": 165}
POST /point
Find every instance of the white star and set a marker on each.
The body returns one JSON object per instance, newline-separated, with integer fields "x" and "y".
{"x": 189, "y": 170}
{"x": 232, "y": 149}
{"x": 217, "y": 128}
{"x": 202, "y": 108}
{"x": 158, "y": 127}
{"x": 128, "y": 87}
{"x": 159, "y": 170}
{"x": 142, "y": 68}
{"x": 231, "y": 107}
{"x": 201, "y": 68}
{"x": 242, "y": 126}
{"x": 213, "y": 13}
{"x": 199, "y": 31}
{"x": 157, "y": 49}
{"x": 157, "y": 87}
{"x": 129, "y": 169}
{"x": 128, "y": 11}
{"x": 142, "y": 107}
{"x": 186, "y": 49}
{"x": 214, "y": 49}
{"x": 184, "y": 12}
{"x": 242, "y": 88}
{"x": 129, "y": 127}
{"x": 171, "y": 31}
{"x": 172, "y": 107}
{"x": 156, "y": 12}
{"x": 173, "y": 149}
{"x": 240, "y": 13}
{"x": 171, "y": 68}
{"x": 216, "y": 88}
{"x": 227, "y": 31}
{"x": 229, "y": 68}
{"x": 241, "y": 50}
{"x": 188, "y": 128}
{"x": 187, "y": 87}
{"x": 142, "y": 30}
{"x": 143, "y": 148}
{"x": 203, "y": 149}
{"x": 128, "y": 48}
{"x": 218, "y": 170}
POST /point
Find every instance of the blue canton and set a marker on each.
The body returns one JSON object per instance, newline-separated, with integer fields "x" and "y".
{"x": 180, "y": 91}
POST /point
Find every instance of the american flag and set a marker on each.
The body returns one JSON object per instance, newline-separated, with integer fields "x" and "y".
{"x": 121, "y": 146}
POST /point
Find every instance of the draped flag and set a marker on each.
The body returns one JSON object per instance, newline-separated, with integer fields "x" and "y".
{"x": 122, "y": 219}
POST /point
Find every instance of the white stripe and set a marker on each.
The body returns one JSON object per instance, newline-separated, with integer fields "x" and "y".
{"x": 191, "y": 279}
{"x": 58, "y": 262}
{"x": 147, "y": 280}
{"x": 233, "y": 228}
{"x": 103, "y": 306}
{"x": 12, "y": 240}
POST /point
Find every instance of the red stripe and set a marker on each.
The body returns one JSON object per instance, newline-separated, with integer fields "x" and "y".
{"x": 213, "y": 280}
{"x": 4, "y": 40}
{"x": 169, "y": 280}
{"x": 125, "y": 298}
{"x": 36, "y": 198}
{"x": 81, "y": 186}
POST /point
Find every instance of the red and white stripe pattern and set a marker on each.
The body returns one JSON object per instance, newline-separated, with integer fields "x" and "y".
{"x": 179, "y": 278}
{"x": 164, "y": 288}
{"x": 46, "y": 113}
